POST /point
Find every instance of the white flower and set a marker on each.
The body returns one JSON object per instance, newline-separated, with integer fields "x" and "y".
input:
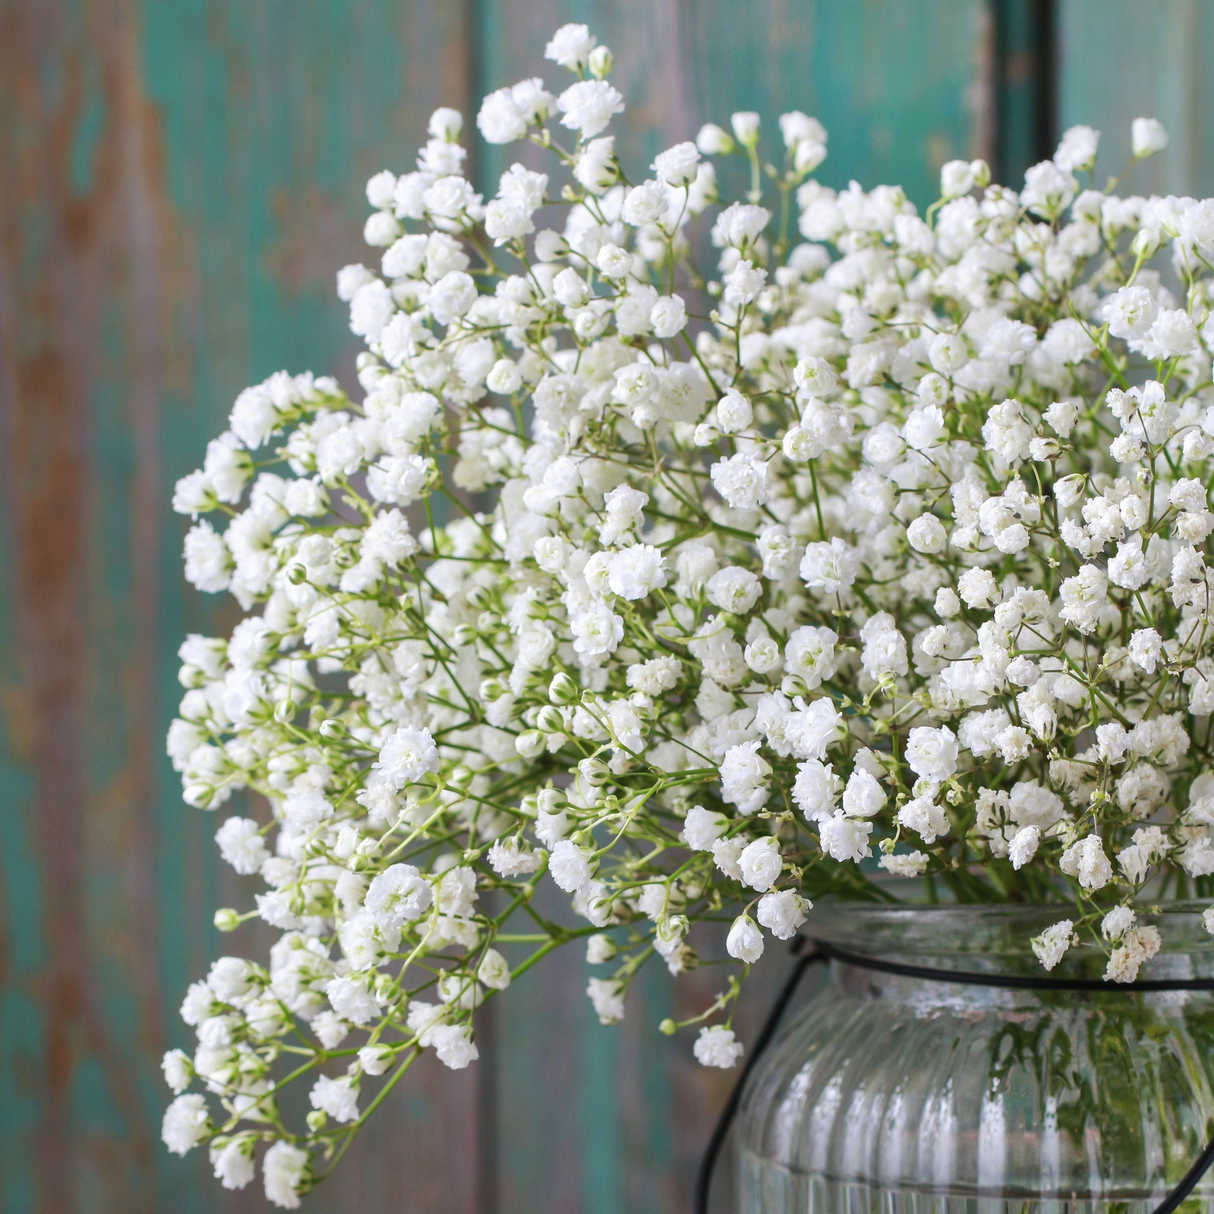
{"x": 956, "y": 178}
{"x": 241, "y": 845}
{"x": 397, "y": 895}
{"x": 717, "y": 1046}
{"x": 712, "y": 140}
{"x": 863, "y": 797}
{"x": 814, "y": 728}
{"x": 829, "y": 567}
{"x": 741, "y": 480}
{"x": 636, "y": 570}
{"x": 1130, "y": 312}
{"x": 810, "y": 654}
{"x": 677, "y": 166}
{"x": 186, "y": 1123}
{"x": 816, "y": 790}
{"x": 337, "y": 1097}
{"x": 570, "y": 46}
{"x": 208, "y": 563}
{"x": 232, "y": 1161}
{"x": 927, "y": 534}
{"x": 177, "y": 1070}
{"x": 1077, "y": 149}
{"x": 1024, "y": 845}
{"x": 668, "y": 317}
{"x": 734, "y": 412}
{"x": 702, "y": 828}
{"x": 285, "y": 1168}
{"x": 733, "y": 589}
{"x": 588, "y": 106}
{"x": 376, "y": 1059}
{"x": 1138, "y": 944}
{"x": 744, "y": 282}
{"x": 1048, "y": 189}
{"x": 1053, "y": 943}
{"x": 1147, "y": 137}
{"x": 745, "y": 125}
{"x": 913, "y": 864}
{"x": 1117, "y": 922}
{"x": 744, "y": 941}
{"x": 1171, "y": 335}
{"x": 454, "y": 1045}
{"x": 932, "y": 753}
{"x": 596, "y": 630}
{"x": 1083, "y": 596}
{"x": 406, "y": 756}
{"x": 744, "y": 777}
{"x": 782, "y": 913}
{"x": 1087, "y": 863}
{"x": 505, "y": 115}
{"x": 570, "y": 866}
{"x": 925, "y": 817}
{"x": 845, "y": 838}
{"x": 925, "y": 428}
{"x": 1146, "y": 648}
{"x": 607, "y": 996}
{"x": 760, "y": 863}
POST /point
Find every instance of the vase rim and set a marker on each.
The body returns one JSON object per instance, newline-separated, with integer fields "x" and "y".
{"x": 990, "y": 931}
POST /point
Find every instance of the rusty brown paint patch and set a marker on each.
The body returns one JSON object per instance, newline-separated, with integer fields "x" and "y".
{"x": 96, "y": 255}
{"x": 313, "y": 232}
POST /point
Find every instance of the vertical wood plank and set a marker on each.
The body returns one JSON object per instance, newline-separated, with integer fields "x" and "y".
{"x": 1025, "y": 80}
{"x": 594, "y": 1120}
{"x": 1121, "y": 60}
{"x": 181, "y": 180}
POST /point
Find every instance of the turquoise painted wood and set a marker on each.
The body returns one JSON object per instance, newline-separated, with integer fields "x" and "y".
{"x": 180, "y": 180}
{"x": 1124, "y": 59}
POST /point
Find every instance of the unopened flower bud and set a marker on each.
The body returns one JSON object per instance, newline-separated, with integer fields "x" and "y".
{"x": 550, "y": 720}
{"x": 601, "y": 62}
{"x": 530, "y": 743}
{"x": 594, "y": 771}
{"x": 745, "y": 125}
{"x": 226, "y": 919}
{"x": 668, "y": 1027}
{"x": 491, "y": 689}
{"x": 562, "y": 689}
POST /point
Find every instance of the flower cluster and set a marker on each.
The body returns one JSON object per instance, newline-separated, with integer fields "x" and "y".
{"x": 873, "y": 558}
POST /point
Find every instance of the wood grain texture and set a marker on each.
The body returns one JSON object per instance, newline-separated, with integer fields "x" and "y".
{"x": 1124, "y": 59}
{"x": 179, "y": 180}
{"x": 180, "y": 183}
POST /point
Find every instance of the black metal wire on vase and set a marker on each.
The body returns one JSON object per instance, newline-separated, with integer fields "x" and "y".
{"x": 823, "y": 952}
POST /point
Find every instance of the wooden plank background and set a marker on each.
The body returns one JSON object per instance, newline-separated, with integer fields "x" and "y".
{"x": 179, "y": 181}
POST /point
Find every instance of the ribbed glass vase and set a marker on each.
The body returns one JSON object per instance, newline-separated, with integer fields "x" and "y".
{"x": 905, "y": 1096}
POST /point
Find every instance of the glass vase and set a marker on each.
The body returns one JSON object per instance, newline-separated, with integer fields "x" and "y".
{"x": 896, "y": 1094}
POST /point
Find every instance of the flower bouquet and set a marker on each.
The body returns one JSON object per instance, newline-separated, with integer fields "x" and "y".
{"x": 703, "y": 561}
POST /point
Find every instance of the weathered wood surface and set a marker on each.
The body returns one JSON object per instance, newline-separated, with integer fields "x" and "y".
{"x": 1124, "y": 59}
{"x": 179, "y": 180}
